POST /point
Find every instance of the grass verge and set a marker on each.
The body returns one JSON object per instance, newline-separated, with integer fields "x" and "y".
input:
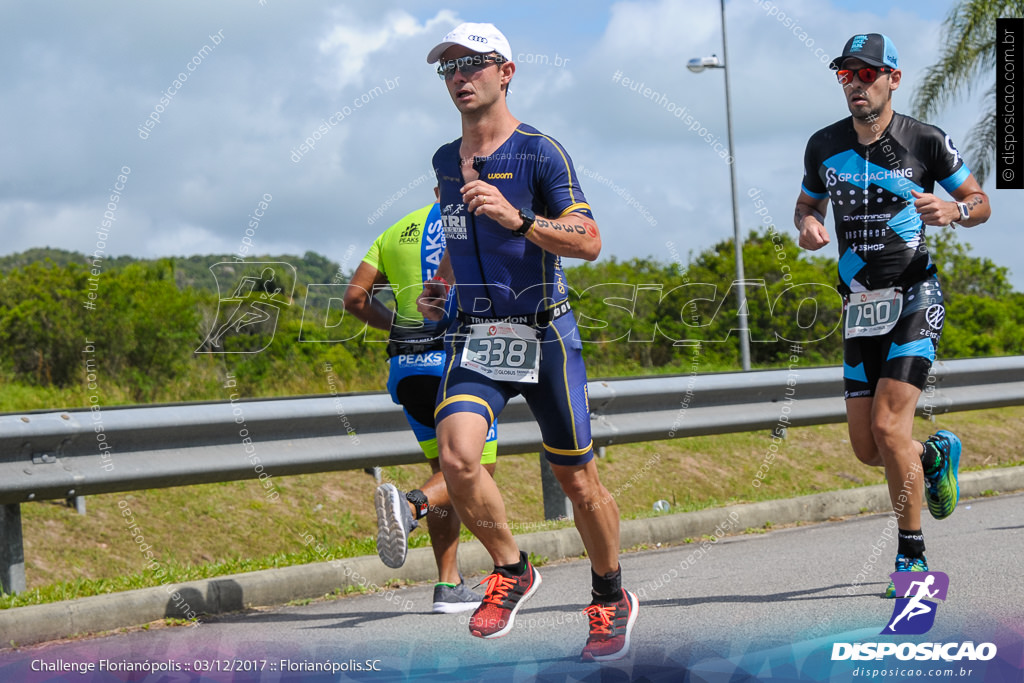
{"x": 212, "y": 530}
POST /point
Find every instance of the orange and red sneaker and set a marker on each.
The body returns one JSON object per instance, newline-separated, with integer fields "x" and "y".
{"x": 610, "y": 626}
{"x": 504, "y": 594}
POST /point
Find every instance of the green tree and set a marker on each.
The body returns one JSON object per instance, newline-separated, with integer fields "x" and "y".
{"x": 632, "y": 314}
{"x": 141, "y": 326}
{"x": 967, "y": 58}
{"x": 639, "y": 314}
{"x": 791, "y": 298}
{"x": 983, "y": 314}
{"x": 60, "y": 257}
{"x": 979, "y": 326}
{"x": 42, "y": 322}
{"x": 144, "y": 326}
{"x": 961, "y": 273}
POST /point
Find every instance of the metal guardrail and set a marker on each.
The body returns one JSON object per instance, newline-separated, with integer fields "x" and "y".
{"x": 65, "y": 454}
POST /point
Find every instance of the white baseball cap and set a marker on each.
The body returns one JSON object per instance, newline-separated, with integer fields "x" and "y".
{"x": 483, "y": 38}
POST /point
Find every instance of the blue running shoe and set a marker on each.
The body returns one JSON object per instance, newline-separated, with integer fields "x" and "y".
{"x": 906, "y": 564}
{"x": 942, "y": 489}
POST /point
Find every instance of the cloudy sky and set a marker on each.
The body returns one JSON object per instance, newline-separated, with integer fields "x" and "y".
{"x": 262, "y": 76}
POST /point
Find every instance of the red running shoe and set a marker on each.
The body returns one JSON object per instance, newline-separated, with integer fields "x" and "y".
{"x": 610, "y": 626}
{"x": 503, "y": 597}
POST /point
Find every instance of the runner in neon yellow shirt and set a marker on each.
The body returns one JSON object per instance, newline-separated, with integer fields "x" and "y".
{"x": 405, "y": 256}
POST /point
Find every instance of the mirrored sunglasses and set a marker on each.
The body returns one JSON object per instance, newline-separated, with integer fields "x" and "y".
{"x": 468, "y": 65}
{"x": 867, "y": 75}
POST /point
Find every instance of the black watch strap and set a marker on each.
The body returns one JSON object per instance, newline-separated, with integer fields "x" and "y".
{"x": 529, "y": 217}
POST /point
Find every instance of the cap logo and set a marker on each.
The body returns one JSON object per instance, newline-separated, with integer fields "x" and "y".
{"x": 479, "y": 39}
{"x": 858, "y": 43}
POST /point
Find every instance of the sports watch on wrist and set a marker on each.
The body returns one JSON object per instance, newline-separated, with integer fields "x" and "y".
{"x": 529, "y": 217}
{"x": 965, "y": 211}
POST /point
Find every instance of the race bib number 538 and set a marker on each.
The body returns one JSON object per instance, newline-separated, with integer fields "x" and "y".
{"x": 505, "y": 352}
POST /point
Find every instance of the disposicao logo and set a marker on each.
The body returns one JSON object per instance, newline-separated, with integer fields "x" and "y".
{"x": 914, "y": 614}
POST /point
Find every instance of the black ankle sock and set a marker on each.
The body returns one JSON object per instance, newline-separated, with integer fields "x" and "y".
{"x": 607, "y": 588}
{"x": 931, "y": 458}
{"x": 911, "y": 543}
{"x": 517, "y": 569}
{"x": 419, "y": 501}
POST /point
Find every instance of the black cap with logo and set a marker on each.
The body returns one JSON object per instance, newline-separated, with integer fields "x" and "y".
{"x": 871, "y": 48}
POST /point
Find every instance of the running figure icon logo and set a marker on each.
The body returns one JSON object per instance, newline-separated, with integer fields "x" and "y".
{"x": 914, "y": 612}
{"x": 248, "y": 310}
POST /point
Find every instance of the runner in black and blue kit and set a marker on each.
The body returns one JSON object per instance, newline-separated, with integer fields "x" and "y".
{"x": 512, "y": 207}
{"x": 878, "y": 170}
{"x": 882, "y": 238}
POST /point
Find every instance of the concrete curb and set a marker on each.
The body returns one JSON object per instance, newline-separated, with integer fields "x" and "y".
{"x": 28, "y": 625}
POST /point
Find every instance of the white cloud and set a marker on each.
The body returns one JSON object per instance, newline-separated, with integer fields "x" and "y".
{"x": 351, "y": 44}
{"x": 283, "y": 68}
{"x": 29, "y": 224}
{"x": 661, "y": 28}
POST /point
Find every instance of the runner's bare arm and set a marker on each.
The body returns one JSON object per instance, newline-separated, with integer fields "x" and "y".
{"x": 573, "y": 235}
{"x": 430, "y": 302}
{"x": 359, "y": 299}
{"x": 809, "y": 220}
{"x": 937, "y": 211}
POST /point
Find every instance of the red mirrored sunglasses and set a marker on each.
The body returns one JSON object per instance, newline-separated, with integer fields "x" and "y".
{"x": 867, "y": 74}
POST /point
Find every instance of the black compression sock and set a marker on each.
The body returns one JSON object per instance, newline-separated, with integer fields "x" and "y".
{"x": 517, "y": 569}
{"x": 419, "y": 501}
{"x": 911, "y": 543}
{"x": 607, "y": 588}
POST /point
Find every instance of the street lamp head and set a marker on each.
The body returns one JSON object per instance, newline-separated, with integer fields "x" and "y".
{"x": 698, "y": 64}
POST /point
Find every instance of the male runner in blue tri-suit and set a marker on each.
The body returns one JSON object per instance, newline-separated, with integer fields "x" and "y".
{"x": 878, "y": 168}
{"x": 512, "y": 207}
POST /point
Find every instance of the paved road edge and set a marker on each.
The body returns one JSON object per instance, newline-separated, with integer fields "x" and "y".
{"x": 28, "y": 625}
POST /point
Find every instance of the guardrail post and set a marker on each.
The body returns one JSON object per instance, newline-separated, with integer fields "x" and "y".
{"x": 556, "y": 503}
{"x": 12, "y": 552}
{"x": 77, "y": 502}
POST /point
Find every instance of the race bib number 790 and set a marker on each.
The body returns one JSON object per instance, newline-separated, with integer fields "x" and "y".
{"x": 873, "y": 313}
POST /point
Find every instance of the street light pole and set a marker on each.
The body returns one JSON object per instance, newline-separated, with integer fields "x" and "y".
{"x": 698, "y": 65}
{"x": 741, "y": 290}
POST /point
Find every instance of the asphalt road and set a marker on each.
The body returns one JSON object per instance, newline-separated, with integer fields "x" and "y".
{"x": 765, "y": 606}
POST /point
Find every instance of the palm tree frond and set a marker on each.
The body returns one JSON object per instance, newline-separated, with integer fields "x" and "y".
{"x": 967, "y": 58}
{"x": 981, "y": 143}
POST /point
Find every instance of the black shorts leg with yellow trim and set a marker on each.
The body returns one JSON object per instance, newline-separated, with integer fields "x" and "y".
{"x": 906, "y": 352}
{"x": 558, "y": 400}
